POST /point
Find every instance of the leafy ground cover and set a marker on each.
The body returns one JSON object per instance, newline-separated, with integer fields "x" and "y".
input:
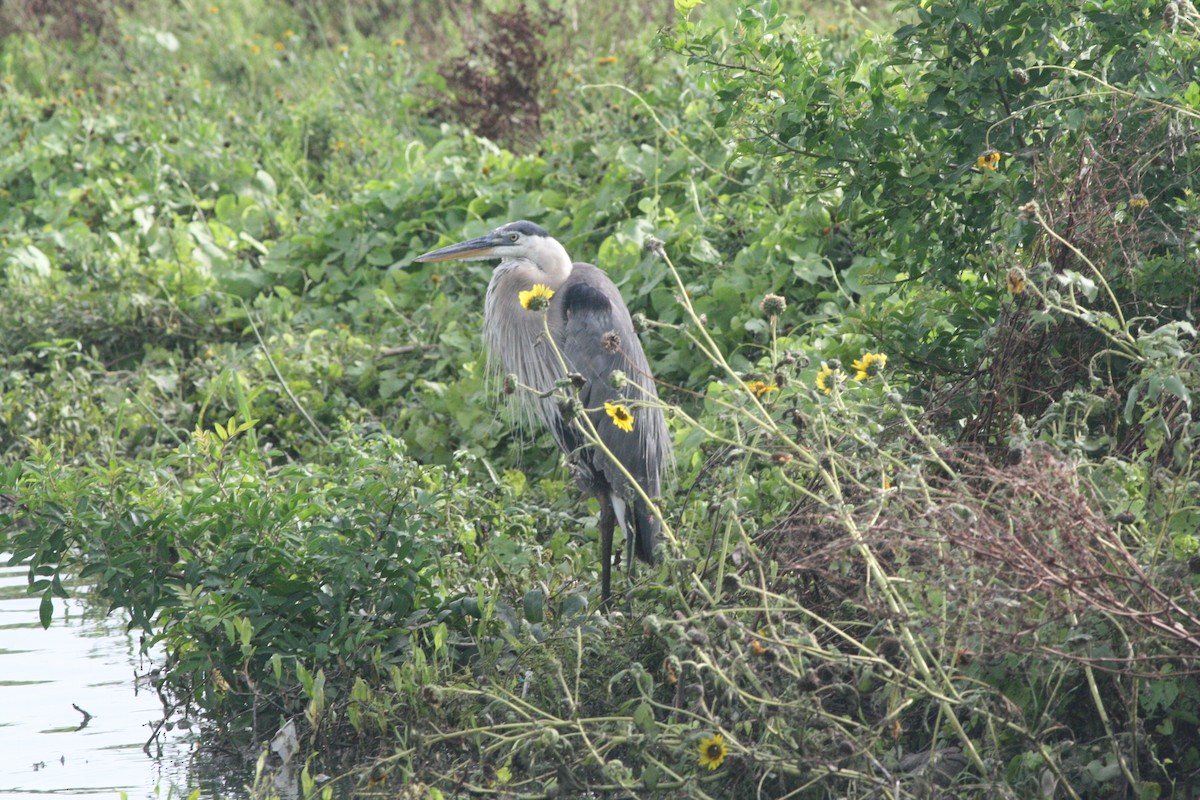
{"x": 920, "y": 293}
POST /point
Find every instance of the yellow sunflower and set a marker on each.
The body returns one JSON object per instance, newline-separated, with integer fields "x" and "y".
{"x": 759, "y": 388}
{"x": 1016, "y": 280}
{"x": 536, "y": 298}
{"x": 870, "y": 364}
{"x": 713, "y": 751}
{"x": 620, "y": 415}
{"x": 989, "y": 160}
{"x": 828, "y": 377}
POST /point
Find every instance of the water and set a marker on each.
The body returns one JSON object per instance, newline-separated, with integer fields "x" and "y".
{"x": 88, "y": 661}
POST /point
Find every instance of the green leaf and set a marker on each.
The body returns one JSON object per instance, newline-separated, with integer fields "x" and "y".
{"x": 1191, "y": 98}
{"x": 574, "y": 604}
{"x": 32, "y": 260}
{"x": 643, "y": 717}
{"x": 535, "y": 605}
{"x": 46, "y": 609}
{"x": 703, "y": 251}
{"x": 970, "y": 15}
{"x": 1174, "y": 384}
{"x": 1131, "y": 402}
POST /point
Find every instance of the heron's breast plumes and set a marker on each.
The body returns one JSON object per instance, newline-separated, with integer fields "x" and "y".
{"x": 516, "y": 327}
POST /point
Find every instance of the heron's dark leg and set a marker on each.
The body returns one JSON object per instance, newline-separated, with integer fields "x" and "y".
{"x": 608, "y": 519}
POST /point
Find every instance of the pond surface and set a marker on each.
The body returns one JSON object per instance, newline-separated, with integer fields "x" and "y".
{"x": 87, "y": 661}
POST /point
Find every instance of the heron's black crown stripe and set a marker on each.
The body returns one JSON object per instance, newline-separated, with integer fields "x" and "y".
{"x": 526, "y": 227}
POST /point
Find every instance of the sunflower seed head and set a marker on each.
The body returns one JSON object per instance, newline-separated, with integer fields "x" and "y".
{"x": 569, "y": 408}
{"x": 773, "y": 305}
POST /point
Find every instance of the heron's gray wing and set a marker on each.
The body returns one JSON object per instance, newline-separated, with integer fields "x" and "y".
{"x": 597, "y": 338}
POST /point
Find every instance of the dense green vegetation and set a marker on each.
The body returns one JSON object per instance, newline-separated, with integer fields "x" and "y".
{"x": 230, "y": 399}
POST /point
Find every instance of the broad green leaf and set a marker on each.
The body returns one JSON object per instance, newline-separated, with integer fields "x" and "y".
{"x": 46, "y": 609}
{"x": 535, "y": 605}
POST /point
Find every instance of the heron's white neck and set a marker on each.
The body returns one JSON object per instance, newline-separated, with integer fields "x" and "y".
{"x": 550, "y": 258}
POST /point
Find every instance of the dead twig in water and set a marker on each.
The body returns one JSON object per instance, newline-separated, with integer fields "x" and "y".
{"x": 86, "y": 717}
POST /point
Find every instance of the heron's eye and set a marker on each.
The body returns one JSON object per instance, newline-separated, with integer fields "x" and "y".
{"x": 512, "y": 237}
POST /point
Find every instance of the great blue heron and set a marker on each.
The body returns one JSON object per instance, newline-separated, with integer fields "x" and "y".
{"x": 591, "y": 337}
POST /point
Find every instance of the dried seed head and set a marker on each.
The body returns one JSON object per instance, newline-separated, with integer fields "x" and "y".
{"x": 569, "y": 408}
{"x": 510, "y": 383}
{"x": 1029, "y": 210}
{"x": 889, "y": 649}
{"x": 809, "y": 682}
{"x": 655, "y": 246}
{"x": 611, "y": 342}
{"x": 1171, "y": 14}
{"x": 572, "y": 381}
{"x": 773, "y": 305}
{"x": 671, "y": 668}
{"x": 1020, "y": 76}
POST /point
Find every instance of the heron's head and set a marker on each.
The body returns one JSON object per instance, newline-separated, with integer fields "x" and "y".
{"x": 512, "y": 242}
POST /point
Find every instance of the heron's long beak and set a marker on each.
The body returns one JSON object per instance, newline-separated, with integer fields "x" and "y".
{"x": 481, "y": 247}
